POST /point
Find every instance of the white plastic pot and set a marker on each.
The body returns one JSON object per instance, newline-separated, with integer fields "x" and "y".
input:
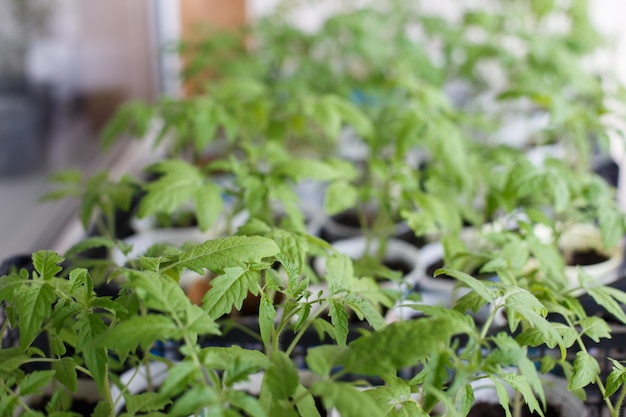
{"x": 555, "y": 390}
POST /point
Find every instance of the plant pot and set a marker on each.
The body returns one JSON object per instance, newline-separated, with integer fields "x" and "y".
{"x": 136, "y": 382}
{"x": 582, "y": 247}
{"x": 398, "y": 256}
{"x": 346, "y": 225}
{"x": 559, "y": 400}
{"x": 443, "y": 290}
{"x": 84, "y": 400}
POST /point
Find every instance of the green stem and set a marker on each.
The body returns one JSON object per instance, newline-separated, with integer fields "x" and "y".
{"x": 50, "y": 360}
{"x": 209, "y": 378}
{"x": 620, "y": 401}
{"x": 301, "y": 332}
{"x": 598, "y": 380}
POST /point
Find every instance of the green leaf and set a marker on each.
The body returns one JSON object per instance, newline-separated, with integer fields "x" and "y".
{"x": 216, "y": 255}
{"x": 595, "y": 328}
{"x": 267, "y": 315}
{"x": 177, "y": 378}
{"x": 305, "y": 403}
{"x": 35, "y": 381}
{"x": 339, "y": 318}
{"x": 586, "y": 369}
{"x": 65, "y": 369}
{"x": 503, "y": 396}
{"x": 281, "y": 377}
{"x": 235, "y": 360}
{"x": 398, "y": 345}
{"x": 46, "y": 263}
{"x": 520, "y": 384}
{"x": 339, "y": 272}
{"x": 137, "y": 331}
{"x": 11, "y": 359}
{"x": 340, "y": 196}
{"x": 322, "y": 359}
{"x": 475, "y": 284}
{"x": 147, "y": 401}
{"x": 229, "y": 290}
{"x": 364, "y": 308}
{"x": 349, "y": 401}
{"x": 90, "y": 243}
{"x": 245, "y": 402}
{"x": 301, "y": 168}
{"x": 34, "y": 305}
{"x": 89, "y": 327}
{"x": 606, "y": 297}
{"x": 209, "y": 205}
{"x": 103, "y": 409}
{"x": 178, "y": 184}
{"x": 193, "y": 400}
{"x": 616, "y": 379}
{"x": 198, "y": 322}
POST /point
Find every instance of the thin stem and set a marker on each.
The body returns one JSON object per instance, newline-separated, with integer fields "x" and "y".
{"x": 598, "y": 380}
{"x": 620, "y": 401}
{"x": 50, "y": 360}
{"x": 301, "y": 332}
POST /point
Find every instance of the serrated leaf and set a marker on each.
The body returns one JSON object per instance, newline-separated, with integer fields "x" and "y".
{"x": 398, "y": 345}
{"x": 606, "y": 297}
{"x": 281, "y": 377}
{"x": 339, "y": 318}
{"x": 216, "y": 255}
{"x": 228, "y": 290}
{"x": 177, "y": 185}
{"x": 520, "y": 384}
{"x": 137, "y": 331}
{"x": 616, "y": 379}
{"x": 340, "y": 196}
{"x": 11, "y": 359}
{"x": 475, "y": 284}
{"x": 234, "y": 357}
{"x": 305, "y": 403}
{"x": 586, "y": 369}
{"x": 595, "y": 328}
{"x": 301, "y": 168}
{"x": 322, "y": 359}
{"x": 193, "y": 400}
{"x": 209, "y": 205}
{"x": 90, "y": 243}
{"x": 102, "y": 409}
{"x": 35, "y": 381}
{"x": 175, "y": 381}
{"x": 147, "y": 401}
{"x": 365, "y": 309}
{"x": 339, "y": 272}
{"x": 247, "y": 403}
{"x": 198, "y": 322}
{"x": 65, "y": 369}
{"x": 267, "y": 314}
{"x": 503, "y": 396}
{"x": 46, "y": 263}
{"x": 34, "y": 305}
{"x": 349, "y": 401}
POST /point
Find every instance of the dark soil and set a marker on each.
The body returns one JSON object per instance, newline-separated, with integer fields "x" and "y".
{"x": 588, "y": 257}
{"x": 482, "y": 409}
{"x": 398, "y": 265}
{"x": 350, "y": 218}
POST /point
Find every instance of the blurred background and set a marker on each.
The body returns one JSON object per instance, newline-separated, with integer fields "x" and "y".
{"x": 66, "y": 65}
